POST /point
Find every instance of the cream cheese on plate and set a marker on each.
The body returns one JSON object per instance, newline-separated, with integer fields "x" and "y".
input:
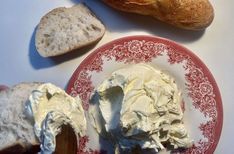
{"x": 140, "y": 106}
{"x": 51, "y": 107}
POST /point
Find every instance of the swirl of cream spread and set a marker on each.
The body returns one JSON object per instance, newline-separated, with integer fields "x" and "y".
{"x": 51, "y": 107}
{"x": 140, "y": 105}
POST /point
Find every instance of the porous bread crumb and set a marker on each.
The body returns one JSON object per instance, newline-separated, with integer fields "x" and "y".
{"x": 15, "y": 126}
{"x": 65, "y": 29}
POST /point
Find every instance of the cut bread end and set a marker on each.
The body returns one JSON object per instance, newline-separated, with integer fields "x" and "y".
{"x": 65, "y": 29}
{"x": 16, "y": 129}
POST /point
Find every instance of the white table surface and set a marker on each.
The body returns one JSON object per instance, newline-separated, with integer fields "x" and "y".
{"x": 19, "y": 61}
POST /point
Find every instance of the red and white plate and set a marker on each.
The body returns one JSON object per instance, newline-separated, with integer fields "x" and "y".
{"x": 203, "y": 115}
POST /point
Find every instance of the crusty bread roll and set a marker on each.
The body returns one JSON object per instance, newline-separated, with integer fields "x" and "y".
{"x": 16, "y": 130}
{"x": 65, "y": 29}
{"x": 186, "y": 14}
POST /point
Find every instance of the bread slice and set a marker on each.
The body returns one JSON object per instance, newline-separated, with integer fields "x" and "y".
{"x": 65, "y": 29}
{"x": 16, "y": 129}
{"x": 186, "y": 14}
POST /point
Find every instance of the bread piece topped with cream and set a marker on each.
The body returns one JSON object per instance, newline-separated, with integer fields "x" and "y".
{"x": 32, "y": 115}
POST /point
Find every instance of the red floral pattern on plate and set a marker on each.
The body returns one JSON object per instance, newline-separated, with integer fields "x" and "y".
{"x": 82, "y": 147}
{"x": 200, "y": 84}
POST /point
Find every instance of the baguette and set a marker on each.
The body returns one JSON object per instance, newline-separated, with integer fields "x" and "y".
{"x": 186, "y": 14}
{"x": 65, "y": 29}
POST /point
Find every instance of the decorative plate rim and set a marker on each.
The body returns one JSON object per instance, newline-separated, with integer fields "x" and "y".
{"x": 175, "y": 46}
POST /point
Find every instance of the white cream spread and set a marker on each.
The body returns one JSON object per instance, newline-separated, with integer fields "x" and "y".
{"x": 140, "y": 105}
{"x": 51, "y": 107}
